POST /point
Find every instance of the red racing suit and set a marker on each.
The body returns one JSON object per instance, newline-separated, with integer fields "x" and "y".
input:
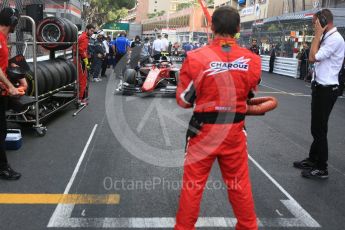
{"x": 217, "y": 79}
{"x": 83, "y": 42}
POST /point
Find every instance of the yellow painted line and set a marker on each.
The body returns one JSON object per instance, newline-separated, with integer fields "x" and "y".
{"x": 111, "y": 199}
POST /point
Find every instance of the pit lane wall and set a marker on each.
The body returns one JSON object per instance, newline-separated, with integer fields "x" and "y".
{"x": 283, "y": 66}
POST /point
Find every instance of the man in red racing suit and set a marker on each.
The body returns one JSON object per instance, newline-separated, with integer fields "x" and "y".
{"x": 9, "y": 18}
{"x": 216, "y": 80}
{"x": 83, "y": 42}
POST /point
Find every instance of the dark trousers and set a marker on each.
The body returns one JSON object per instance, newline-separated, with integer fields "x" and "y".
{"x": 303, "y": 70}
{"x": 272, "y": 65}
{"x": 3, "y": 130}
{"x": 323, "y": 100}
{"x": 97, "y": 66}
{"x": 157, "y": 55}
{"x": 105, "y": 65}
{"x": 121, "y": 62}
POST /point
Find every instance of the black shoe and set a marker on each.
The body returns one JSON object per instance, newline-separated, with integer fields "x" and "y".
{"x": 315, "y": 173}
{"x": 304, "y": 164}
{"x": 7, "y": 173}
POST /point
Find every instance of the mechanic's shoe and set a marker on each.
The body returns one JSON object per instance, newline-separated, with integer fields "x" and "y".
{"x": 7, "y": 173}
{"x": 84, "y": 101}
{"x": 315, "y": 173}
{"x": 304, "y": 164}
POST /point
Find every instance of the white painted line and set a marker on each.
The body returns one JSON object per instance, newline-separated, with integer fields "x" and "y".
{"x": 164, "y": 127}
{"x": 281, "y": 91}
{"x": 277, "y": 211}
{"x": 146, "y": 116}
{"x": 70, "y": 183}
{"x": 62, "y": 216}
{"x": 64, "y": 211}
{"x": 291, "y": 204}
{"x": 284, "y": 92}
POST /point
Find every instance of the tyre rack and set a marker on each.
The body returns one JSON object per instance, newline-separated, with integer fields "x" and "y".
{"x": 70, "y": 92}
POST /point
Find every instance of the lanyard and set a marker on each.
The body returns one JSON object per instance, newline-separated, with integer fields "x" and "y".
{"x": 324, "y": 38}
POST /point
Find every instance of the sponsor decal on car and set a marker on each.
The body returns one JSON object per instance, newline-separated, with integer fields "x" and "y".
{"x": 177, "y": 59}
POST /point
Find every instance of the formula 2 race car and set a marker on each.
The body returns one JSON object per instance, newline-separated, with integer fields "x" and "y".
{"x": 160, "y": 77}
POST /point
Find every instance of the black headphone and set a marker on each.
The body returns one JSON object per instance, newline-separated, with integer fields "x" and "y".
{"x": 322, "y": 18}
{"x": 14, "y": 18}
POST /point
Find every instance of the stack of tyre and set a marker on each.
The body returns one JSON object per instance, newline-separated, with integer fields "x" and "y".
{"x": 51, "y": 75}
{"x": 59, "y": 72}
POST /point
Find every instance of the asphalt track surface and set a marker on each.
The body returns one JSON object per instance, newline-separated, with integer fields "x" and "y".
{"x": 133, "y": 147}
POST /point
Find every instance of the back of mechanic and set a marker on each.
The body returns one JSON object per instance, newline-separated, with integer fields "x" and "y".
{"x": 216, "y": 80}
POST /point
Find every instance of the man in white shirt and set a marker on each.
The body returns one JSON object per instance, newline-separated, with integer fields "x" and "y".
{"x": 157, "y": 47}
{"x": 165, "y": 43}
{"x": 106, "y": 42}
{"x": 327, "y": 52}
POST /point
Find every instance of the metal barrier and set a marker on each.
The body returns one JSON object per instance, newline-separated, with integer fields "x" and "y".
{"x": 68, "y": 94}
{"x": 282, "y": 66}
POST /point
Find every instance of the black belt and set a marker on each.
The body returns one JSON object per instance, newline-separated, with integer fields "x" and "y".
{"x": 199, "y": 119}
{"x": 219, "y": 118}
{"x": 318, "y": 85}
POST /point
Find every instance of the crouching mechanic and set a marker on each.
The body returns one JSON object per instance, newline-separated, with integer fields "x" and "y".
{"x": 8, "y": 21}
{"x": 84, "y": 66}
{"x": 216, "y": 80}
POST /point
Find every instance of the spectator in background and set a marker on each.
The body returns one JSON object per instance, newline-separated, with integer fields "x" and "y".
{"x": 91, "y": 51}
{"x": 272, "y": 58}
{"x": 304, "y": 62}
{"x": 187, "y": 47}
{"x": 145, "y": 52}
{"x": 196, "y": 46}
{"x": 136, "y": 42}
{"x": 106, "y": 43}
{"x": 121, "y": 47}
{"x": 136, "y": 47}
{"x": 175, "y": 49}
{"x": 113, "y": 51}
{"x": 157, "y": 47}
{"x": 170, "y": 47}
{"x": 165, "y": 43}
{"x": 255, "y": 48}
{"x": 98, "y": 58}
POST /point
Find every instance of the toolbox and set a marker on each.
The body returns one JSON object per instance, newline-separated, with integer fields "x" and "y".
{"x": 13, "y": 139}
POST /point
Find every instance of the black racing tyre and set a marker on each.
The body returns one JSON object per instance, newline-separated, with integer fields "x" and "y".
{"x": 130, "y": 76}
{"x": 30, "y": 81}
{"x": 62, "y": 74}
{"x": 68, "y": 36}
{"x": 53, "y": 29}
{"x": 55, "y": 75}
{"x": 41, "y": 82}
{"x": 72, "y": 67}
{"x": 74, "y": 31}
{"x": 48, "y": 75}
{"x": 67, "y": 70}
{"x": 42, "y": 86}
